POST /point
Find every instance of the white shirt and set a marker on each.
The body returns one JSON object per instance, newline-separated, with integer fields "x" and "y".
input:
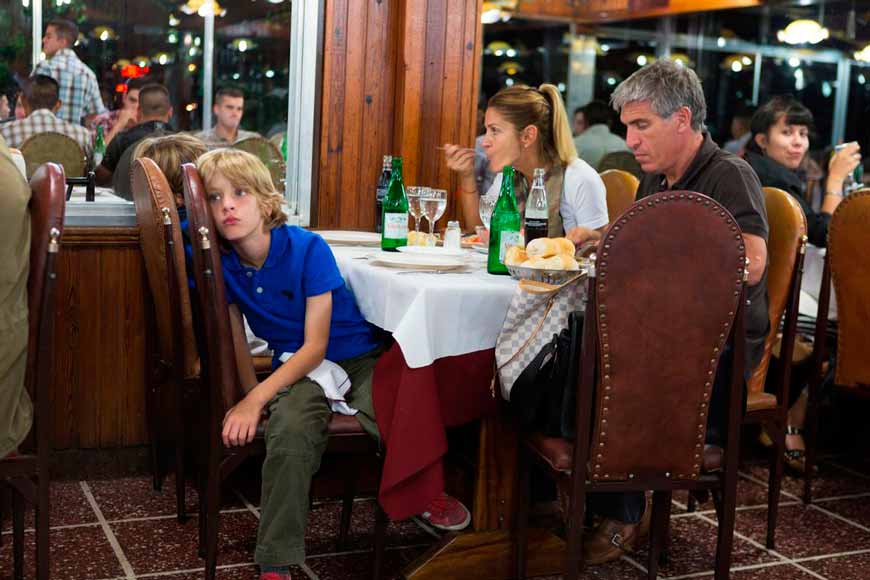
{"x": 584, "y": 198}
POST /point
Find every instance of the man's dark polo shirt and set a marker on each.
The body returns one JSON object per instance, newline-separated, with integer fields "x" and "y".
{"x": 130, "y": 137}
{"x": 731, "y": 181}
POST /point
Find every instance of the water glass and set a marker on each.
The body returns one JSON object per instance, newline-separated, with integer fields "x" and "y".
{"x": 414, "y": 208}
{"x": 433, "y": 202}
{"x": 485, "y": 206}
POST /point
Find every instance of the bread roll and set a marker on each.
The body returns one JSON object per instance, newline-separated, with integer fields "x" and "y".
{"x": 542, "y": 247}
{"x": 535, "y": 262}
{"x": 565, "y": 246}
{"x": 568, "y": 262}
{"x": 515, "y": 256}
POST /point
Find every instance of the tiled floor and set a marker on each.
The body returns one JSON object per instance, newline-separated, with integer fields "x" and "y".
{"x": 121, "y": 529}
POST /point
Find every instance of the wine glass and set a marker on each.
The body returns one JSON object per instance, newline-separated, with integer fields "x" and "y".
{"x": 434, "y": 202}
{"x": 485, "y": 207}
{"x": 413, "y": 193}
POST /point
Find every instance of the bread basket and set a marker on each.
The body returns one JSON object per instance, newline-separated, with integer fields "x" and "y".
{"x": 545, "y": 276}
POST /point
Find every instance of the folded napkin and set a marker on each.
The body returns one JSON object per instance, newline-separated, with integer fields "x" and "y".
{"x": 333, "y": 380}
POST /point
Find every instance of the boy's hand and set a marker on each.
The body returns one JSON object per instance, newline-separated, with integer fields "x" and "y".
{"x": 240, "y": 422}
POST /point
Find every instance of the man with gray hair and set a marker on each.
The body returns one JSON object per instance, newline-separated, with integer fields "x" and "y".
{"x": 664, "y": 109}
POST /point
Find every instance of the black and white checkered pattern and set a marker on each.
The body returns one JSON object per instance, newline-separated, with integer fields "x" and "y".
{"x": 79, "y": 91}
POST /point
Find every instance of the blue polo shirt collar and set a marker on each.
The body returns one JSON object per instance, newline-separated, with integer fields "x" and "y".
{"x": 277, "y": 246}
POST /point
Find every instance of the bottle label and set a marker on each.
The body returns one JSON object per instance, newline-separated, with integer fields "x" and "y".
{"x": 396, "y": 226}
{"x": 507, "y": 240}
{"x": 533, "y": 213}
{"x": 98, "y": 158}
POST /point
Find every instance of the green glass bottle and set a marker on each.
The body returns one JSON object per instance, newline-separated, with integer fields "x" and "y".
{"x": 99, "y": 147}
{"x": 504, "y": 226}
{"x": 395, "y": 212}
{"x": 284, "y": 147}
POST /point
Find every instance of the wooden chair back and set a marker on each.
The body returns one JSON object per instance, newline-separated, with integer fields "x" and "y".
{"x": 269, "y": 154}
{"x": 57, "y": 148}
{"x": 786, "y": 246}
{"x": 848, "y": 240}
{"x": 623, "y": 160}
{"x": 218, "y": 357}
{"x": 152, "y": 195}
{"x": 670, "y": 275}
{"x": 621, "y": 189}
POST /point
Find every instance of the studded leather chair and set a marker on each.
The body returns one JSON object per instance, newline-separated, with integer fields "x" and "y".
{"x": 57, "y": 148}
{"x": 621, "y": 189}
{"x": 650, "y": 349}
{"x": 27, "y": 473}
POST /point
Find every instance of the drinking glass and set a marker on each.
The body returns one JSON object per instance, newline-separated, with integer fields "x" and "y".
{"x": 485, "y": 207}
{"x": 434, "y": 202}
{"x": 413, "y": 193}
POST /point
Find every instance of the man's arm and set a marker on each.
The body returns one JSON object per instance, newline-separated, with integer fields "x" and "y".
{"x": 240, "y": 423}
{"x": 756, "y": 251}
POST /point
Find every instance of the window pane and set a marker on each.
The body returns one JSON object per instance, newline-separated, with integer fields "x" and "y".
{"x": 859, "y": 107}
{"x": 15, "y": 47}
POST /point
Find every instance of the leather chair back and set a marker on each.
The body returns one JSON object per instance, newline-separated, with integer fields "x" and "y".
{"x": 848, "y": 241}
{"x": 669, "y": 279}
{"x": 57, "y": 148}
{"x": 151, "y": 193}
{"x": 785, "y": 246}
{"x": 122, "y": 176}
{"x": 621, "y": 189}
{"x": 623, "y": 160}
{"x": 47, "y": 206}
{"x": 269, "y": 154}
{"x": 219, "y": 361}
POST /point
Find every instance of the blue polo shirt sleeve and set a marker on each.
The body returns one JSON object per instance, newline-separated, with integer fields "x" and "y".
{"x": 321, "y": 273}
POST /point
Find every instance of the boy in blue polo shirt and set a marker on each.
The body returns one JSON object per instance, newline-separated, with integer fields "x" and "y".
{"x": 285, "y": 281}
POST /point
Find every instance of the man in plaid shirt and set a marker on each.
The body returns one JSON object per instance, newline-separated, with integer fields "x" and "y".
{"x": 40, "y": 102}
{"x": 79, "y": 91}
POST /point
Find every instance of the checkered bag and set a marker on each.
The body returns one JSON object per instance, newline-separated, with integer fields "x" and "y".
{"x": 537, "y": 312}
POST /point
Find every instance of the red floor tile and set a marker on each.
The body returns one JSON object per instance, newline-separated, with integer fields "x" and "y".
{"x": 619, "y": 570}
{"x": 134, "y": 497}
{"x": 778, "y": 572}
{"x": 857, "y": 510}
{"x": 75, "y": 554}
{"x": 165, "y": 545}
{"x": 802, "y": 532}
{"x": 854, "y": 567}
{"x": 829, "y": 482}
{"x": 234, "y": 573}
{"x": 358, "y": 566}
{"x": 68, "y": 506}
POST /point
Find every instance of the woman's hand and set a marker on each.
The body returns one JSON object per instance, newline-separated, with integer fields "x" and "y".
{"x": 460, "y": 160}
{"x": 842, "y": 163}
{"x": 240, "y": 422}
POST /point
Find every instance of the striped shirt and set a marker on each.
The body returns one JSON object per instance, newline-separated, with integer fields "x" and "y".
{"x": 44, "y": 121}
{"x": 79, "y": 91}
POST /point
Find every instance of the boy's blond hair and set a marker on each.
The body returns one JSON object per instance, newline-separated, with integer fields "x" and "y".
{"x": 246, "y": 172}
{"x": 169, "y": 152}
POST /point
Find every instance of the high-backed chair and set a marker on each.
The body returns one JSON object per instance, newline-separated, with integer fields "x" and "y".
{"x": 848, "y": 265}
{"x": 223, "y": 380}
{"x": 621, "y": 189}
{"x": 623, "y": 160}
{"x": 27, "y": 473}
{"x": 57, "y": 148}
{"x": 650, "y": 351}
{"x": 269, "y": 154}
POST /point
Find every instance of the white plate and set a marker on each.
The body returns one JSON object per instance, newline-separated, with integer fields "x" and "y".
{"x": 416, "y": 261}
{"x": 480, "y": 248}
{"x": 432, "y": 251}
{"x": 350, "y": 238}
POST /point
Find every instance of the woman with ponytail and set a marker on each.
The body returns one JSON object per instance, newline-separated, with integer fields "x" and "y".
{"x": 528, "y": 128}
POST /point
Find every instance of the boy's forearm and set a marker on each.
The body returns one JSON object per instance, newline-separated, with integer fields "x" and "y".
{"x": 305, "y": 360}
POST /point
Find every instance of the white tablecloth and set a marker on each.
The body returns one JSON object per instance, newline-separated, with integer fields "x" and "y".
{"x": 431, "y": 316}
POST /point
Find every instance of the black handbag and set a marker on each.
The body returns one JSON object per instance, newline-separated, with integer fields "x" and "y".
{"x": 544, "y": 395}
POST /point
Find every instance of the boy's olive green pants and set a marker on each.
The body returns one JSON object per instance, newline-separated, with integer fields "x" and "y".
{"x": 295, "y": 440}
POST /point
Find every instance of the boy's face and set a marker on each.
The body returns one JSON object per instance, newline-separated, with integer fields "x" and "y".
{"x": 236, "y": 213}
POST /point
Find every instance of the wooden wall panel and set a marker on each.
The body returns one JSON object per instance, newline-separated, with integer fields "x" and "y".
{"x": 98, "y": 379}
{"x": 399, "y": 77}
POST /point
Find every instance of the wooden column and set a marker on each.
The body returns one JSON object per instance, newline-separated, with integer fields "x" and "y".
{"x": 399, "y": 77}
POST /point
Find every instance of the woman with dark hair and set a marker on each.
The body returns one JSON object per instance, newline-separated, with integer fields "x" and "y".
{"x": 776, "y": 151}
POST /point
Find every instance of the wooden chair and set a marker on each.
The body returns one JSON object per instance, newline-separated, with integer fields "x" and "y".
{"x": 848, "y": 265}
{"x": 222, "y": 376}
{"x": 28, "y": 473}
{"x": 623, "y": 160}
{"x": 57, "y": 148}
{"x": 621, "y": 189}
{"x": 176, "y": 370}
{"x": 664, "y": 250}
{"x": 269, "y": 154}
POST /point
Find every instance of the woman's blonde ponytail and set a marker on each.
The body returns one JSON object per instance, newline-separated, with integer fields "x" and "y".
{"x": 563, "y": 140}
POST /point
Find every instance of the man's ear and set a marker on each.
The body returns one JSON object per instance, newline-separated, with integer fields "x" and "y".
{"x": 57, "y": 106}
{"x": 168, "y": 115}
{"x": 683, "y": 116}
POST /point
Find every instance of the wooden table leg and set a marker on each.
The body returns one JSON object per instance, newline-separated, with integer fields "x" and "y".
{"x": 485, "y": 553}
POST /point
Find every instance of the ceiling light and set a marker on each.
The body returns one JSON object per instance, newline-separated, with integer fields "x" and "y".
{"x": 803, "y": 31}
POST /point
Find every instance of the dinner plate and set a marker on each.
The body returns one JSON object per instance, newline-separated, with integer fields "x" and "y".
{"x": 432, "y": 251}
{"x": 350, "y": 238}
{"x": 480, "y": 248}
{"x": 416, "y": 261}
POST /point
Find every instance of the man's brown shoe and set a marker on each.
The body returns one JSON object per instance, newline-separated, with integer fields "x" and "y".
{"x": 613, "y": 538}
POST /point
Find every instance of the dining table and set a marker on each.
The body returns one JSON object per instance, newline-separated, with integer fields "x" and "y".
{"x": 444, "y": 315}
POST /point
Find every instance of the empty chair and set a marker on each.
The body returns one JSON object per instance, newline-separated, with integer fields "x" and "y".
{"x": 54, "y": 148}
{"x": 621, "y": 189}
{"x": 267, "y": 152}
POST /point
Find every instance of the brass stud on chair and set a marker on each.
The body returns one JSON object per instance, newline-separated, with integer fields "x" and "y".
{"x": 203, "y": 242}
{"x": 53, "y": 245}
{"x": 166, "y": 220}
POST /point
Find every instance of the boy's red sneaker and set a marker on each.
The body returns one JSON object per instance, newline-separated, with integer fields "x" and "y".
{"x": 447, "y": 513}
{"x": 274, "y": 576}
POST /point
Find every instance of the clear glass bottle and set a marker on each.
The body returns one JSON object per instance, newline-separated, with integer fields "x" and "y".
{"x": 452, "y": 236}
{"x": 537, "y": 218}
